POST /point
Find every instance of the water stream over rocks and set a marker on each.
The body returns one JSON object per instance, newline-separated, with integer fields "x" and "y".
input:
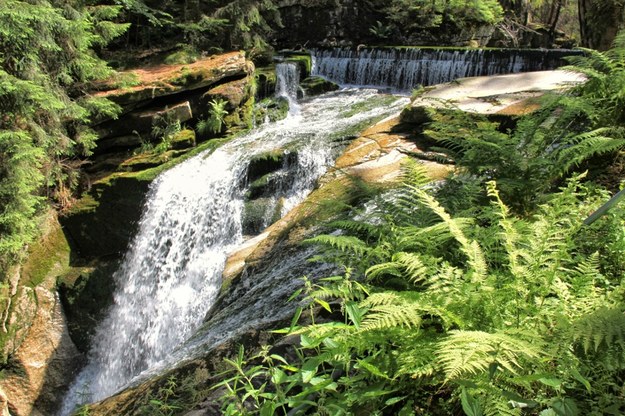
{"x": 402, "y": 69}
{"x": 171, "y": 273}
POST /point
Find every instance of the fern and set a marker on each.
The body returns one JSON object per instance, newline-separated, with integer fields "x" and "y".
{"x": 603, "y": 328}
{"x": 468, "y": 353}
{"x": 588, "y": 144}
{"x": 342, "y": 243}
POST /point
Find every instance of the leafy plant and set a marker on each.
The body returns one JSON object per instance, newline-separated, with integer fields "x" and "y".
{"x": 164, "y": 128}
{"x": 440, "y": 312}
{"x": 213, "y": 124}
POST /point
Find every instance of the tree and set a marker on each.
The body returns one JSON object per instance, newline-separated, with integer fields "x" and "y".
{"x": 46, "y": 63}
{"x": 600, "y": 21}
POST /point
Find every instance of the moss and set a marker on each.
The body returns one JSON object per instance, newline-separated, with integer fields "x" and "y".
{"x": 302, "y": 60}
{"x": 86, "y": 294}
{"x": 273, "y": 109}
{"x": 317, "y": 86}
{"x": 48, "y": 257}
{"x": 182, "y": 56}
{"x": 183, "y": 139}
{"x": 265, "y": 79}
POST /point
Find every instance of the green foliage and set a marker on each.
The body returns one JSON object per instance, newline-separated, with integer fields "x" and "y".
{"x": 46, "y": 61}
{"x": 497, "y": 318}
{"x": 419, "y": 14}
{"x": 214, "y": 123}
{"x": 249, "y": 23}
{"x": 164, "y": 129}
{"x": 164, "y": 402}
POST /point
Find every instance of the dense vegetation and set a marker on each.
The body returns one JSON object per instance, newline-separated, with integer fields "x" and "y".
{"x": 495, "y": 262}
{"x": 486, "y": 295}
{"x": 46, "y": 60}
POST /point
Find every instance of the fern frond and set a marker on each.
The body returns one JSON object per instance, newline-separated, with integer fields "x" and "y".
{"x": 469, "y": 353}
{"x": 402, "y": 264}
{"x": 586, "y": 145}
{"x": 496, "y": 404}
{"x": 433, "y": 235}
{"x": 390, "y": 316}
{"x": 341, "y": 243}
{"x": 471, "y": 249}
{"x": 389, "y": 310}
{"x": 604, "y": 327}
{"x": 358, "y": 227}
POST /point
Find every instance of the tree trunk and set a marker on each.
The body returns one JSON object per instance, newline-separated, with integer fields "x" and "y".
{"x": 599, "y": 22}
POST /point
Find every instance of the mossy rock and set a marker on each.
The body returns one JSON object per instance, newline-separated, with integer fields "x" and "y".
{"x": 86, "y": 296}
{"x": 273, "y": 109}
{"x": 317, "y": 85}
{"x": 303, "y": 62}
{"x": 262, "y": 186}
{"x": 259, "y": 213}
{"x": 103, "y": 222}
{"x": 265, "y": 79}
{"x": 183, "y": 139}
{"x": 418, "y": 114}
{"x": 265, "y": 163}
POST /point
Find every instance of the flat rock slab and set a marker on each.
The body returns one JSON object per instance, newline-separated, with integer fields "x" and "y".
{"x": 164, "y": 80}
{"x": 496, "y": 94}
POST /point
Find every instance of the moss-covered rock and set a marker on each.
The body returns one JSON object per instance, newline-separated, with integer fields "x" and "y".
{"x": 260, "y": 212}
{"x": 303, "y": 62}
{"x": 184, "y": 139}
{"x": 271, "y": 109}
{"x": 166, "y": 80}
{"x": 265, "y": 163}
{"x": 103, "y": 221}
{"x": 265, "y": 81}
{"x": 86, "y": 294}
{"x": 317, "y": 85}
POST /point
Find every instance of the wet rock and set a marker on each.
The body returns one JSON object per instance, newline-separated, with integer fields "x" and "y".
{"x": 317, "y": 85}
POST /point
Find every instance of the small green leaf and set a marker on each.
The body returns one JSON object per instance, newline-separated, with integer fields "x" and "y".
{"x": 394, "y": 400}
{"x": 551, "y": 382}
{"x": 324, "y": 304}
{"x": 470, "y": 405}
{"x": 278, "y": 376}
{"x": 577, "y": 376}
{"x": 565, "y": 407}
{"x": 354, "y": 313}
{"x": 296, "y": 316}
{"x": 309, "y": 370}
{"x": 267, "y": 409}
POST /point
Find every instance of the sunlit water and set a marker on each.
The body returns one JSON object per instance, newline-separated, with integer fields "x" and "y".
{"x": 192, "y": 219}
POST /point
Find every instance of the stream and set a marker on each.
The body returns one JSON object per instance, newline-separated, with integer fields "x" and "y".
{"x": 192, "y": 219}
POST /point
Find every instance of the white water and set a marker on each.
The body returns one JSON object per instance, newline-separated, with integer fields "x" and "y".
{"x": 287, "y": 84}
{"x": 404, "y": 69}
{"x": 172, "y": 271}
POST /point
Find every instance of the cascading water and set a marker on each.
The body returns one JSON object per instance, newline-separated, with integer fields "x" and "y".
{"x": 404, "y": 69}
{"x": 287, "y": 84}
{"x": 172, "y": 272}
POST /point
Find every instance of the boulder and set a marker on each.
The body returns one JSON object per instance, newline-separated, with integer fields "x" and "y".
{"x": 317, "y": 85}
{"x": 164, "y": 80}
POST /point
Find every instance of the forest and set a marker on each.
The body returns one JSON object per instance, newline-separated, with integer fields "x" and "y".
{"x": 488, "y": 293}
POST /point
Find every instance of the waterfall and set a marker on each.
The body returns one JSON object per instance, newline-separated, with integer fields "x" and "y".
{"x": 171, "y": 273}
{"x": 404, "y": 69}
{"x": 287, "y": 84}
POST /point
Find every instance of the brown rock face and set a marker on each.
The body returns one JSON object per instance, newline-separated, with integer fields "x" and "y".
{"x": 164, "y": 80}
{"x": 46, "y": 357}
